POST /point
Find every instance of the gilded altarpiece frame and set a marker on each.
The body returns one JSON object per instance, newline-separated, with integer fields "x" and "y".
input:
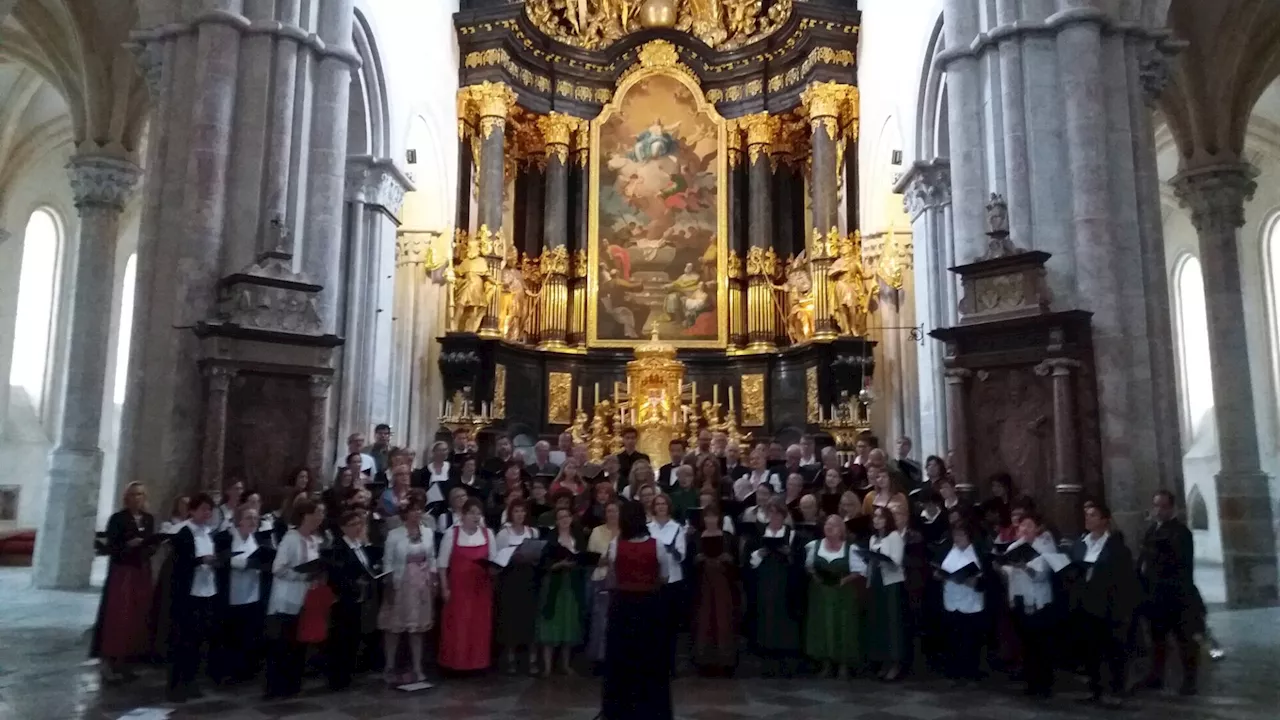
{"x": 679, "y": 272}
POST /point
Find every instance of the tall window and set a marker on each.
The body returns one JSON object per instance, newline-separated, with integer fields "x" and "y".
{"x": 1193, "y": 345}
{"x": 1271, "y": 266}
{"x": 126, "y": 328}
{"x": 37, "y": 296}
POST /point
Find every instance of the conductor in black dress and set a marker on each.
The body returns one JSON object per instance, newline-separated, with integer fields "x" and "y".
{"x": 1170, "y": 601}
{"x": 1106, "y": 595}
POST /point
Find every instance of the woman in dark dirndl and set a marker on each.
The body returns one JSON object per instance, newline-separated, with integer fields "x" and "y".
{"x": 637, "y": 667}
{"x": 121, "y": 634}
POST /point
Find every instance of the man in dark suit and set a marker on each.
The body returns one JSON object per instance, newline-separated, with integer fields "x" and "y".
{"x": 351, "y": 575}
{"x": 912, "y": 472}
{"x": 542, "y": 464}
{"x": 193, "y": 590}
{"x": 666, "y": 476}
{"x": 734, "y": 468}
{"x": 1170, "y": 600}
{"x": 629, "y": 454}
{"x": 1106, "y": 596}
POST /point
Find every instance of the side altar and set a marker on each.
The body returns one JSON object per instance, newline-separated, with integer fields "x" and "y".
{"x": 657, "y": 225}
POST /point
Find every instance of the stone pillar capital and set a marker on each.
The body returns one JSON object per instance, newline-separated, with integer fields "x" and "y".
{"x": 925, "y": 185}
{"x": 1057, "y": 367}
{"x": 220, "y": 377}
{"x": 558, "y": 128}
{"x": 377, "y": 182}
{"x": 320, "y": 385}
{"x": 102, "y": 180}
{"x": 1216, "y": 195}
{"x": 957, "y": 376}
{"x": 762, "y": 130}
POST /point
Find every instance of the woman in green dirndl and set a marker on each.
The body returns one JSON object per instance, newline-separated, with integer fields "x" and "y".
{"x": 559, "y": 599}
{"x": 838, "y": 575}
{"x": 886, "y": 643}
{"x": 777, "y": 628}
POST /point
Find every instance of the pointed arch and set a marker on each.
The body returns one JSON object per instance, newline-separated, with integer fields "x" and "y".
{"x": 42, "y": 246}
{"x": 1197, "y": 510}
{"x": 1191, "y": 328}
{"x": 368, "y": 129}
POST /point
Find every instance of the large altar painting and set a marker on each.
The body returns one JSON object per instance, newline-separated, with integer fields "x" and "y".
{"x": 657, "y": 225}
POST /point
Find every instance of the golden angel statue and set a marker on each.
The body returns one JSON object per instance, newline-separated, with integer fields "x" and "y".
{"x": 472, "y": 287}
{"x": 514, "y": 306}
{"x": 798, "y": 310}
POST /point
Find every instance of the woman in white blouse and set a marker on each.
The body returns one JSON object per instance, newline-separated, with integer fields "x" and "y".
{"x": 1031, "y": 595}
{"x": 289, "y": 589}
{"x": 408, "y": 606}
{"x": 241, "y": 586}
{"x": 466, "y": 624}
{"x": 759, "y": 475}
{"x": 963, "y": 603}
{"x": 671, "y": 534}
{"x": 887, "y": 642}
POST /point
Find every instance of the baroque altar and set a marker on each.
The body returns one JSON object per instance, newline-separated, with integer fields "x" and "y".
{"x": 659, "y": 189}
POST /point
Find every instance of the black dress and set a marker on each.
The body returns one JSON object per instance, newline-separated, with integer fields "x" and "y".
{"x": 637, "y": 665}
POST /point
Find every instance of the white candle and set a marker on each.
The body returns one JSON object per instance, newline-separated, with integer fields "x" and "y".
{"x": 628, "y": 386}
{"x": 695, "y": 394}
{"x": 715, "y": 394}
{"x": 579, "y": 408}
{"x": 730, "y": 398}
{"x": 597, "y": 402}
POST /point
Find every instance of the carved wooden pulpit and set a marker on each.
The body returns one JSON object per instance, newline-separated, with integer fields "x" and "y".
{"x": 1021, "y": 392}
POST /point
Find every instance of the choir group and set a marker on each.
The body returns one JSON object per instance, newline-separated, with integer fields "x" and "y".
{"x": 815, "y": 565}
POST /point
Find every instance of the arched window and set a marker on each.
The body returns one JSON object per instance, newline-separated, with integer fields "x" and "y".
{"x": 1271, "y": 268}
{"x": 1197, "y": 511}
{"x": 37, "y": 305}
{"x": 1193, "y": 345}
{"x": 126, "y": 328}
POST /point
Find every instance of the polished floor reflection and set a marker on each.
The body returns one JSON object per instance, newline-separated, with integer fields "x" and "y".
{"x": 44, "y": 676}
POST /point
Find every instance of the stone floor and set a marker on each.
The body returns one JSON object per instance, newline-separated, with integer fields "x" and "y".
{"x": 44, "y": 676}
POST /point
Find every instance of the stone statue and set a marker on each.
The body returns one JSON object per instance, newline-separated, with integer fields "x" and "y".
{"x": 472, "y": 287}
{"x": 1021, "y": 434}
{"x": 998, "y": 243}
{"x": 799, "y": 307}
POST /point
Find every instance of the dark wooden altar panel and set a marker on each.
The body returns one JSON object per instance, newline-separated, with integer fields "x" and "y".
{"x": 1011, "y": 418}
{"x": 268, "y": 420}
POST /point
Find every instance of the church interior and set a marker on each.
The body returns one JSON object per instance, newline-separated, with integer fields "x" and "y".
{"x": 1036, "y": 240}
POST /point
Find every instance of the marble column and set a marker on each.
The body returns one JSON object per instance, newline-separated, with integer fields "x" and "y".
{"x": 926, "y": 190}
{"x": 493, "y": 101}
{"x": 762, "y": 131}
{"x": 737, "y": 229}
{"x": 1066, "y": 480}
{"x": 826, "y": 103}
{"x": 215, "y": 427}
{"x": 1215, "y": 197}
{"x": 101, "y": 185}
{"x": 557, "y": 130}
{"x": 958, "y": 428}
{"x": 580, "y": 183}
{"x": 317, "y": 434}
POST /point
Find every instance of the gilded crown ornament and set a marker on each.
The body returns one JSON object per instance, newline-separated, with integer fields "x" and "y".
{"x": 658, "y": 14}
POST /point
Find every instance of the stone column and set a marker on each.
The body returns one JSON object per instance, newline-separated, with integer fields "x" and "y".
{"x": 215, "y": 427}
{"x": 101, "y": 185}
{"x": 965, "y": 124}
{"x": 737, "y": 228}
{"x": 1215, "y": 197}
{"x": 926, "y": 190}
{"x": 327, "y": 159}
{"x": 318, "y": 430}
{"x": 958, "y": 428}
{"x": 375, "y": 190}
{"x": 557, "y": 130}
{"x": 762, "y": 130}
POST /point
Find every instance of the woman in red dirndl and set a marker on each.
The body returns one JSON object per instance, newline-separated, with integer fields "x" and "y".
{"x": 122, "y": 633}
{"x": 466, "y": 624}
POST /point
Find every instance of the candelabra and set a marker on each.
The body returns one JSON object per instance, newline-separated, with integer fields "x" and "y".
{"x": 847, "y": 419}
{"x": 458, "y": 413}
